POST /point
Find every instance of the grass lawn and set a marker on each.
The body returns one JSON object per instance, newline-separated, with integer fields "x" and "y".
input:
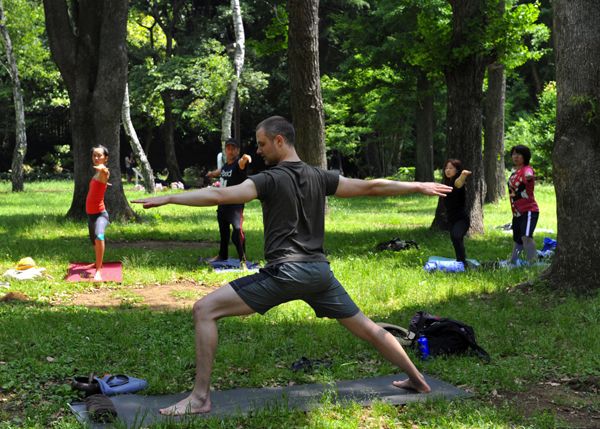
{"x": 545, "y": 369}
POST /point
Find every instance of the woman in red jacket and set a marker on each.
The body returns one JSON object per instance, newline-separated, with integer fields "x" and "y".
{"x": 94, "y": 206}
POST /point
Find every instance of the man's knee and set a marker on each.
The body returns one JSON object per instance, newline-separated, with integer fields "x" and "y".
{"x": 203, "y": 309}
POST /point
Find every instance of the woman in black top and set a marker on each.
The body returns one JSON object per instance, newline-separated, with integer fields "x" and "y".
{"x": 458, "y": 220}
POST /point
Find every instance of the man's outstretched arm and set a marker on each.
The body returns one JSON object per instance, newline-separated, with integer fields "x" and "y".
{"x": 211, "y": 196}
{"x": 382, "y": 187}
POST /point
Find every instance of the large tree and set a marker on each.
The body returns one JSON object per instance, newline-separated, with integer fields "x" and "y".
{"x": 464, "y": 81}
{"x": 20, "y": 132}
{"x": 576, "y": 154}
{"x": 88, "y": 43}
{"x": 305, "y": 82}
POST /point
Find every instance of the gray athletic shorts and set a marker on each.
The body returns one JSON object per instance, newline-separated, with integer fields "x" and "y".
{"x": 312, "y": 282}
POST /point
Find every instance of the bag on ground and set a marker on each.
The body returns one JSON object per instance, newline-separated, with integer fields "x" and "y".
{"x": 445, "y": 336}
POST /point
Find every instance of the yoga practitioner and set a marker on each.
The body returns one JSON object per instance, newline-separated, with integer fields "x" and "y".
{"x": 458, "y": 219}
{"x": 232, "y": 173}
{"x": 522, "y": 202}
{"x": 292, "y": 195}
{"x": 94, "y": 206}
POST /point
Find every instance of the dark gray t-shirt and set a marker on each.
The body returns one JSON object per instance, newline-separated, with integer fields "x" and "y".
{"x": 293, "y": 202}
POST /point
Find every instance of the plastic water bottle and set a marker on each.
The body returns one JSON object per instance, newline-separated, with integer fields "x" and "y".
{"x": 423, "y": 347}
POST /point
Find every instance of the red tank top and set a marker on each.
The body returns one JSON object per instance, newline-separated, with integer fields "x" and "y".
{"x": 94, "y": 203}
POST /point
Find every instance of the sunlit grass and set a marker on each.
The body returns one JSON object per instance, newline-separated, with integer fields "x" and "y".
{"x": 533, "y": 335}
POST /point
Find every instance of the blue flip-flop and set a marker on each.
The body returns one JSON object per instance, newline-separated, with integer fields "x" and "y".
{"x": 118, "y": 384}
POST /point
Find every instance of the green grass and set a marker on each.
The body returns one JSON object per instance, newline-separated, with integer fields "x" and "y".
{"x": 534, "y": 334}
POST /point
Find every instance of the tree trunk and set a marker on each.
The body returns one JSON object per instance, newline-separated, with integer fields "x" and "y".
{"x": 147, "y": 173}
{"x": 464, "y": 81}
{"x": 88, "y": 44}
{"x": 20, "y": 132}
{"x": 168, "y": 132}
{"x": 493, "y": 152}
{"x": 306, "y": 102}
{"x": 238, "y": 65}
{"x": 576, "y": 154}
{"x": 424, "y": 128}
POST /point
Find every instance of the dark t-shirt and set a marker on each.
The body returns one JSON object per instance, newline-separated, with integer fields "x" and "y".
{"x": 455, "y": 204}
{"x": 231, "y": 175}
{"x": 292, "y": 195}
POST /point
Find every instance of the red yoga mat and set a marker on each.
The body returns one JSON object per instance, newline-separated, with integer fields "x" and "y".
{"x": 111, "y": 272}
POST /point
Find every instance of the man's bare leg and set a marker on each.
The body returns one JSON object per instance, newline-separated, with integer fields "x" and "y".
{"x": 99, "y": 247}
{"x": 363, "y": 327}
{"x": 221, "y": 303}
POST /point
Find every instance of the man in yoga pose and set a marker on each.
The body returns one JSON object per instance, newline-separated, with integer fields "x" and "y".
{"x": 292, "y": 194}
{"x": 232, "y": 173}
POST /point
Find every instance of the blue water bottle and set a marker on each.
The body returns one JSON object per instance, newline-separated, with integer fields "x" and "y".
{"x": 423, "y": 347}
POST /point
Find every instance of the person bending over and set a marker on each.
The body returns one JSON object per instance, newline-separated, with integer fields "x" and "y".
{"x": 292, "y": 195}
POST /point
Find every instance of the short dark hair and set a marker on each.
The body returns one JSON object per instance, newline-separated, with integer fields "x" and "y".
{"x": 102, "y": 148}
{"x": 278, "y": 125}
{"x": 522, "y": 150}
{"x": 457, "y": 163}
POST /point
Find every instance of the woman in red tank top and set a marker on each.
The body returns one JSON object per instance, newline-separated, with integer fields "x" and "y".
{"x": 94, "y": 206}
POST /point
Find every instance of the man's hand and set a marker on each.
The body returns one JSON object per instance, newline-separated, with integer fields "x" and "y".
{"x": 153, "y": 201}
{"x": 432, "y": 188}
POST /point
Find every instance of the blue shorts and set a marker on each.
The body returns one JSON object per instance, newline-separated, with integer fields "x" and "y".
{"x": 311, "y": 282}
{"x": 97, "y": 224}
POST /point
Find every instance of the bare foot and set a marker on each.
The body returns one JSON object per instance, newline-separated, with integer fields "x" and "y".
{"x": 216, "y": 258}
{"x": 189, "y": 405}
{"x": 98, "y": 276}
{"x": 420, "y": 387}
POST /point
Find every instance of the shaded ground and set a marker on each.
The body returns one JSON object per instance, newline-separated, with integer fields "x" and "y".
{"x": 172, "y": 296}
{"x": 574, "y": 401}
{"x": 163, "y": 244}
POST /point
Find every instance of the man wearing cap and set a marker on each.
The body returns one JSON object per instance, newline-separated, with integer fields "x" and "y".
{"x": 232, "y": 173}
{"x": 292, "y": 195}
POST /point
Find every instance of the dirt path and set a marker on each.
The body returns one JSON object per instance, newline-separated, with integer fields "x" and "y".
{"x": 172, "y": 296}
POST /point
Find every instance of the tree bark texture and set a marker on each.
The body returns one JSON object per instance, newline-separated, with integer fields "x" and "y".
{"x": 464, "y": 82}
{"x": 238, "y": 65}
{"x": 424, "y": 130}
{"x": 90, "y": 50}
{"x": 168, "y": 133}
{"x": 136, "y": 146}
{"x": 20, "y": 130}
{"x": 305, "y": 84}
{"x": 576, "y": 154}
{"x": 493, "y": 147}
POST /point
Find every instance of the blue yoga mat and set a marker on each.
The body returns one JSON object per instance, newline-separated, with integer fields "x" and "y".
{"x": 231, "y": 264}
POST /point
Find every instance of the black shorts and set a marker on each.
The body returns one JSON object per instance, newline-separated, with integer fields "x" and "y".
{"x": 524, "y": 225}
{"x": 311, "y": 282}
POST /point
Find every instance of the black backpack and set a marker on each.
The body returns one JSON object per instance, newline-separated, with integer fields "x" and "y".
{"x": 396, "y": 244}
{"x": 445, "y": 336}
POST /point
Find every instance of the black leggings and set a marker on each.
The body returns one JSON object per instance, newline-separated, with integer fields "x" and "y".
{"x": 458, "y": 230}
{"x": 233, "y": 216}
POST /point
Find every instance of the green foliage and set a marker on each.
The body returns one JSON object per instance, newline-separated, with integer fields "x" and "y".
{"x": 39, "y": 75}
{"x": 536, "y": 131}
{"x": 275, "y": 40}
